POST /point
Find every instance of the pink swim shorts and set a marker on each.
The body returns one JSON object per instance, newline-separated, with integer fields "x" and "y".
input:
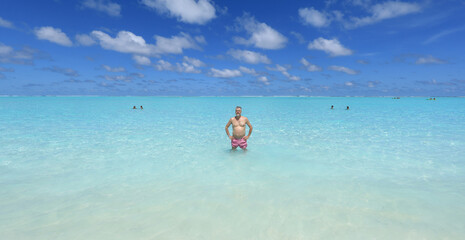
{"x": 239, "y": 143}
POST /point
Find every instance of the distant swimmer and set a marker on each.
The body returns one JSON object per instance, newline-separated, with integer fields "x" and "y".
{"x": 332, "y": 107}
{"x": 347, "y": 108}
{"x": 134, "y": 107}
{"x": 141, "y": 107}
{"x": 238, "y": 139}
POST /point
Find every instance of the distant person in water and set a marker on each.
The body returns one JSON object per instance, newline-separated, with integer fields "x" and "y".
{"x": 332, "y": 107}
{"x": 238, "y": 138}
{"x": 141, "y": 107}
{"x": 134, "y": 107}
{"x": 347, "y": 108}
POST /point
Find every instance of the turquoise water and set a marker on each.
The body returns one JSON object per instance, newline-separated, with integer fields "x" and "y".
{"x": 93, "y": 168}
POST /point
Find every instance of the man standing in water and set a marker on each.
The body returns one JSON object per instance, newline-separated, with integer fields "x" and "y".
{"x": 238, "y": 139}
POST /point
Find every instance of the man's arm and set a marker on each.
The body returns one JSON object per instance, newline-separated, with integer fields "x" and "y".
{"x": 250, "y": 129}
{"x": 227, "y": 129}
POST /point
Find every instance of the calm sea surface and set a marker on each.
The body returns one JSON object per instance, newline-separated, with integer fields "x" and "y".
{"x": 93, "y": 168}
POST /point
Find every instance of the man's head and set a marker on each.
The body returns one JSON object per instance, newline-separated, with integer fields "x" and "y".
{"x": 238, "y": 111}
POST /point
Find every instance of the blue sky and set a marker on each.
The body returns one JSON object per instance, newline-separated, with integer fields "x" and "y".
{"x": 232, "y": 48}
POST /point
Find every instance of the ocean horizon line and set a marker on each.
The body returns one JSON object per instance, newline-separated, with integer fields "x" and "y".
{"x": 278, "y": 96}
{"x": 245, "y": 96}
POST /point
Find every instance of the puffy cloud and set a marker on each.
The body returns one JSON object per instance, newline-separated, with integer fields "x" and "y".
{"x": 5, "y": 23}
{"x": 108, "y": 7}
{"x": 250, "y": 71}
{"x": 349, "y": 84}
{"x": 188, "y": 11}
{"x": 65, "y": 71}
{"x": 343, "y": 69}
{"x": 283, "y": 70}
{"x": 175, "y": 44}
{"x": 54, "y": 35}
{"x": 163, "y": 65}
{"x": 261, "y": 35}
{"x": 225, "y": 73}
{"x": 115, "y": 69}
{"x": 188, "y": 65}
{"x": 382, "y": 11}
{"x": 193, "y": 61}
{"x": 429, "y": 60}
{"x": 310, "y": 67}
{"x": 125, "y": 42}
{"x": 249, "y": 56}
{"x": 141, "y": 60}
{"x": 331, "y": 46}
{"x": 264, "y": 80}
{"x": 85, "y": 40}
{"x": 128, "y": 42}
{"x": 314, "y": 17}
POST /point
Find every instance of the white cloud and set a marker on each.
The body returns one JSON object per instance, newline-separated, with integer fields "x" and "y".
{"x": 200, "y": 39}
{"x": 163, "y": 66}
{"x": 331, "y": 46}
{"x": 429, "y": 60}
{"x": 193, "y": 61}
{"x": 261, "y": 35}
{"x": 5, "y": 23}
{"x": 283, "y": 70}
{"x": 225, "y": 73}
{"x": 349, "y": 84}
{"x": 54, "y": 35}
{"x": 250, "y": 71}
{"x": 128, "y": 42}
{"x": 189, "y": 65}
{"x": 343, "y": 69}
{"x": 108, "y": 7}
{"x": 141, "y": 60}
{"x": 314, "y": 17}
{"x": 264, "y": 80}
{"x": 382, "y": 11}
{"x": 188, "y": 11}
{"x": 125, "y": 42}
{"x": 115, "y": 69}
{"x": 310, "y": 67}
{"x": 249, "y": 56}
{"x": 186, "y": 67}
{"x": 85, "y": 40}
{"x": 175, "y": 44}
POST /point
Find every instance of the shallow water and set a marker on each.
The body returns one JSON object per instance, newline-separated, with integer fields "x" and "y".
{"x": 93, "y": 168}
